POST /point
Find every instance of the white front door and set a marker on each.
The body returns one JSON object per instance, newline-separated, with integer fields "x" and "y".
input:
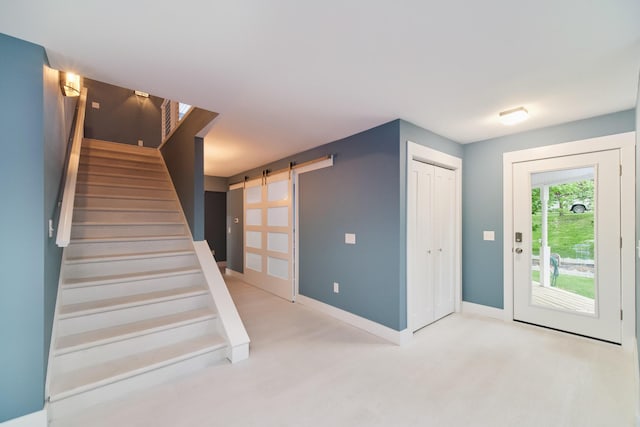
{"x": 268, "y": 239}
{"x": 431, "y": 232}
{"x": 566, "y": 243}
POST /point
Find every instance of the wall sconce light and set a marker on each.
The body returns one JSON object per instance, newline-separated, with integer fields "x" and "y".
{"x": 514, "y": 116}
{"x": 71, "y": 84}
{"x": 142, "y": 94}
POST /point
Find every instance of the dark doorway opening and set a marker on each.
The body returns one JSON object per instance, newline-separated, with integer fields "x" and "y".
{"x": 215, "y": 223}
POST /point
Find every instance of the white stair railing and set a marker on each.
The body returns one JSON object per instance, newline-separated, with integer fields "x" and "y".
{"x": 63, "y": 237}
{"x": 230, "y": 321}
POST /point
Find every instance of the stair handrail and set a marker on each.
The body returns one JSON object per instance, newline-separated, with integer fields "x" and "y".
{"x": 63, "y": 236}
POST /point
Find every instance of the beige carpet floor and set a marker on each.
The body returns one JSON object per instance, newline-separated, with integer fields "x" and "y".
{"x": 306, "y": 369}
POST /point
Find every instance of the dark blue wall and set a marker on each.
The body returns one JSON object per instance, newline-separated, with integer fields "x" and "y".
{"x": 359, "y": 194}
{"x": 183, "y": 153}
{"x": 27, "y": 291}
{"x": 56, "y": 135}
{"x": 123, "y": 116}
{"x": 482, "y": 261}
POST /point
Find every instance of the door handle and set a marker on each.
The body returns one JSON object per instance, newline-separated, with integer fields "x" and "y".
{"x": 518, "y": 250}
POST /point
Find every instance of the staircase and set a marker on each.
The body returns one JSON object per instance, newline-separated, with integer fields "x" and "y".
{"x": 134, "y": 307}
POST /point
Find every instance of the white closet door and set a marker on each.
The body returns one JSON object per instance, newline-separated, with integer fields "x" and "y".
{"x": 431, "y": 234}
{"x": 268, "y": 238}
{"x": 421, "y": 231}
{"x": 444, "y": 238}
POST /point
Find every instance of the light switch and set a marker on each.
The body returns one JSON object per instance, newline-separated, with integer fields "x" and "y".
{"x": 95, "y": 105}
{"x": 350, "y": 238}
{"x": 489, "y": 235}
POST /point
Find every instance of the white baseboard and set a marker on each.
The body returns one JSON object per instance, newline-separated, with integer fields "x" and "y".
{"x": 482, "y": 310}
{"x": 384, "y": 332}
{"x": 637, "y": 379}
{"x": 233, "y": 273}
{"x": 34, "y": 419}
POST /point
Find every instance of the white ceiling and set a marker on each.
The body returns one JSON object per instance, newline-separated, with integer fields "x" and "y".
{"x": 287, "y": 75}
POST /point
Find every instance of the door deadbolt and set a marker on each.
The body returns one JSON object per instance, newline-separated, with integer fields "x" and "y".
{"x": 518, "y": 237}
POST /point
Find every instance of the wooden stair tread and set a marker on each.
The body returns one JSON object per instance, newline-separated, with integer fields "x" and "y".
{"x": 94, "y": 155}
{"x": 80, "y": 341}
{"x": 117, "y": 209}
{"x": 125, "y": 223}
{"x": 120, "y": 278}
{"x": 86, "y": 167}
{"x": 127, "y": 257}
{"x": 88, "y": 161}
{"x": 84, "y": 308}
{"x": 164, "y": 187}
{"x": 118, "y": 146}
{"x": 98, "y": 153}
{"x": 92, "y": 377}
{"x": 121, "y": 196}
{"x": 106, "y": 151}
{"x": 121, "y": 175}
{"x": 129, "y": 239}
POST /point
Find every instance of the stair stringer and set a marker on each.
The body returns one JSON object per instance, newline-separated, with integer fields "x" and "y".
{"x": 230, "y": 324}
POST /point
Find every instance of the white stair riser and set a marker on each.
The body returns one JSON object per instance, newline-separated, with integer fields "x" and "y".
{"x": 123, "y": 171}
{"x": 104, "y": 353}
{"x": 71, "y": 405}
{"x": 122, "y": 289}
{"x": 81, "y": 215}
{"x": 76, "y": 250}
{"x": 130, "y": 266}
{"x": 112, "y": 202}
{"x": 129, "y": 180}
{"x": 89, "y": 322}
{"x": 79, "y": 231}
{"x": 101, "y": 190}
{"x": 98, "y": 161}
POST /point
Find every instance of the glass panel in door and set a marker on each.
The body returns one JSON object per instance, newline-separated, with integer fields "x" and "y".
{"x": 563, "y": 240}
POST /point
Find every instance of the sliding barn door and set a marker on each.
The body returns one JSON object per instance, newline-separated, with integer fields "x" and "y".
{"x": 268, "y": 228}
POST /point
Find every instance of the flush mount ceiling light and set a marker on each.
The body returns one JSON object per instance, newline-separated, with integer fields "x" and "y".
{"x": 141, "y": 93}
{"x": 514, "y": 116}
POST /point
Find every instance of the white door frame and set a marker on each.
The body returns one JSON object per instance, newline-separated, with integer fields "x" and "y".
{"x": 625, "y": 142}
{"x": 429, "y": 155}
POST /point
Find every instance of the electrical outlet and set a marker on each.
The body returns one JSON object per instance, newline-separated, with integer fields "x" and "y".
{"x": 336, "y": 287}
{"x": 140, "y": 143}
{"x": 95, "y": 105}
{"x": 350, "y": 238}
